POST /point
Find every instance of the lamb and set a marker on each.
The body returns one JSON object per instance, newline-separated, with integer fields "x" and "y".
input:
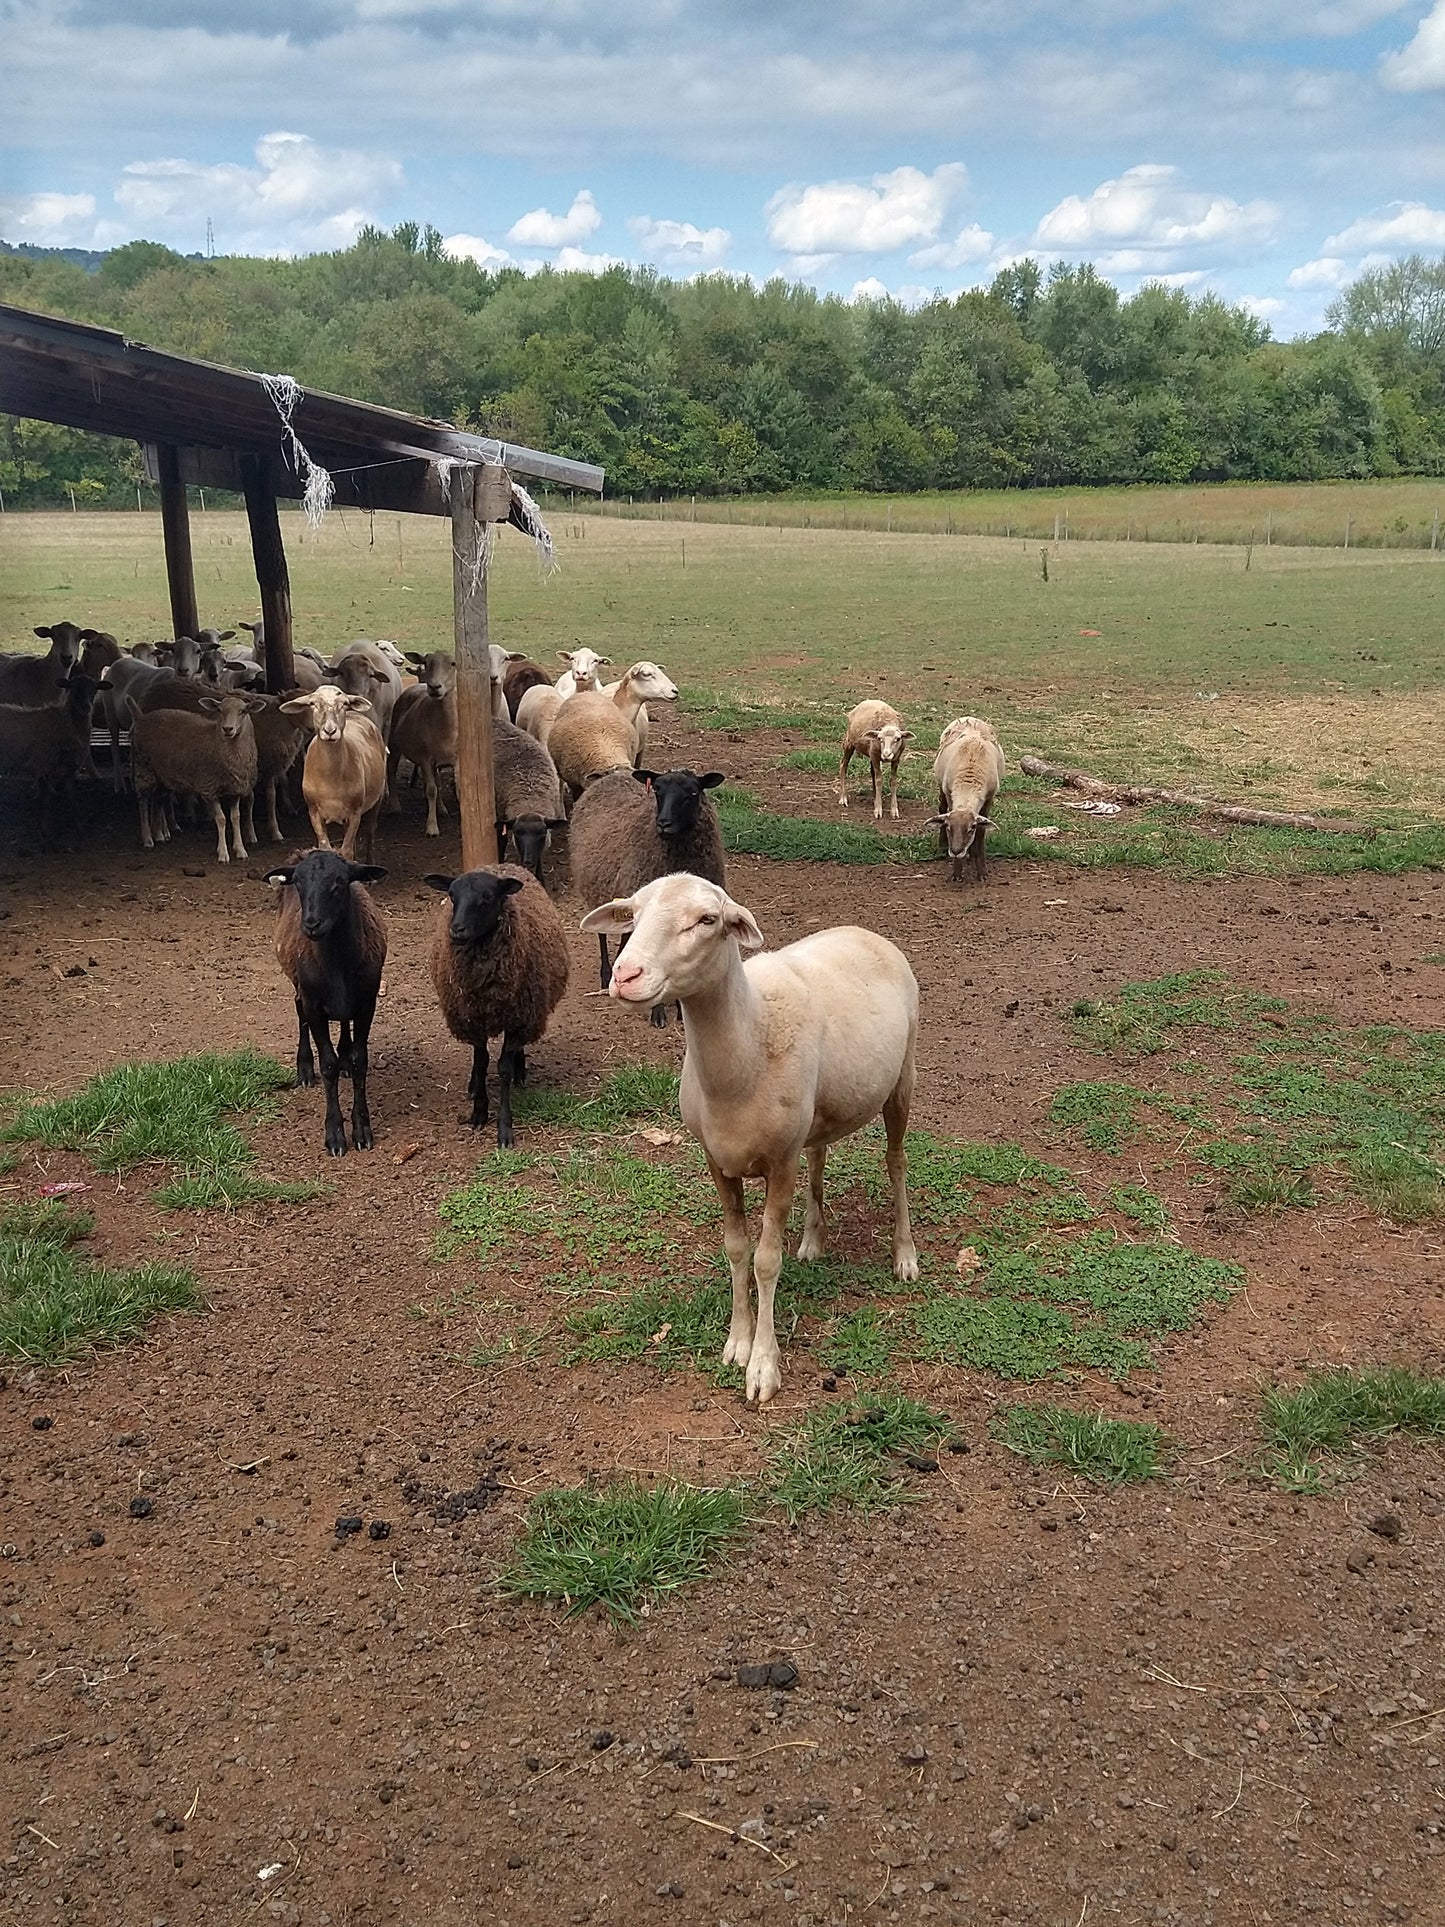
{"x": 46, "y": 744}
{"x": 597, "y": 732}
{"x": 499, "y": 965}
{"x": 875, "y": 729}
{"x": 624, "y": 836}
{"x": 344, "y": 776}
{"x": 579, "y": 678}
{"x": 424, "y": 729}
{"x": 528, "y": 796}
{"x": 968, "y": 770}
{"x": 521, "y": 675}
{"x": 211, "y": 756}
{"x": 786, "y": 1053}
{"x": 34, "y": 681}
{"x": 537, "y": 711}
{"x": 364, "y": 669}
{"x": 331, "y": 942}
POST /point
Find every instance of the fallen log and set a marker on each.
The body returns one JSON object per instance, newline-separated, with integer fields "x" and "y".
{"x": 1206, "y": 806}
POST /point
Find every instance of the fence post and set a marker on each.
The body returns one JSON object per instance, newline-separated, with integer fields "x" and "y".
{"x": 1269, "y": 528}
{"x": 1349, "y": 524}
{"x": 1435, "y": 531}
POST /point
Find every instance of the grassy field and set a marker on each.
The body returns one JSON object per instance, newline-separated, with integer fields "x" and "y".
{"x": 1381, "y": 515}
{"x": 1310, "y": 675}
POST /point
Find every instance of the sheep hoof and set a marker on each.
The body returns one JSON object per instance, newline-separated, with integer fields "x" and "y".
{"x": 905, "y": 1265}
{"x": 738, "y": 1349}
{"x": 361, "y": 1137}
{"x": 658, "y": 1017}
{"x": 305, "y": 1076}
{"x": 506, "y": 1138}
{"x": 810, "y": 1248}
{"x": 336, "y": 1143}
{"x": 764, "y": 1380}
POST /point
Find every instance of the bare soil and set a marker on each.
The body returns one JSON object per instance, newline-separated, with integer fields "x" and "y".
{"x": 1020, "y": 1699}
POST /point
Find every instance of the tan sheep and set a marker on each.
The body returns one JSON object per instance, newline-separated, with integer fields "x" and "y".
{"x": 969, "y": 771}
{"x": 875, "y": 730}
{"x": 344, "y": 776}
{"x": 598, "y": 732}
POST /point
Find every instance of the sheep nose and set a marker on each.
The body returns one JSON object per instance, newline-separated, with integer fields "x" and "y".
{"x": 626, "y": 973}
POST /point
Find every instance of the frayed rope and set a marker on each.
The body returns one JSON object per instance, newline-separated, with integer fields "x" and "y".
{"x": 319, "y": 491}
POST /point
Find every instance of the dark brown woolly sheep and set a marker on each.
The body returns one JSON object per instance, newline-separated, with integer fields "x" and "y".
{"x": 624, "y": 836}
{"x": 331, "y": 942}
{"x": 499, "y": 964}
{"x": 522, "y": 674}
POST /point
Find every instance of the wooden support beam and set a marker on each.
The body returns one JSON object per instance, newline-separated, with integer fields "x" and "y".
{"x": 176, "y": 529}
{"x": 272, "y": 576}
{"x": 476, "y": 794}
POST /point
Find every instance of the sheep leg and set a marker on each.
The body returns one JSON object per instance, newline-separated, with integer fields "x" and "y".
{"x": 843, "y": 778}
{"x": 318, "y": 827}
{"x": 330, "y": 1077}
{"x": 248, "y": 817}
{"x": 657, "y": 1017}
{"x": 943, "y": 827}
{"x": 237, "y": 843}
{"x": 393, "y": 794}
{"x": 273, "y": 825}
{"x": 343, "y": 1045}
{"x": 143, "y": 803}
{"x": 893, "y": 797}
{"x": 519, "y": 1074}
{"x": 305, "y": 1063}
{"x": 765, "y": 1367}
{"x": 506, "y": 1071}
{"x": 367, "y": 832}
{"x": 432, "y": 800}
{"x": 360, "y": 1116}
{"x": 606, "y": 962}
{"x": 895, "y": 1123}
{"x": 812, "y": 1245}
{"x": 117, "y": 767}
{"x": 477, "y": 1088}
{"x": 978, "y": 867}
{"x": 218, "y": 817}
{"x": 739, "y": 1344}
{"x": 875, "y": 770}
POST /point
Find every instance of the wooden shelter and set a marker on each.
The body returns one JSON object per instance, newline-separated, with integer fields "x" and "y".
{"x": 263, "y": 436}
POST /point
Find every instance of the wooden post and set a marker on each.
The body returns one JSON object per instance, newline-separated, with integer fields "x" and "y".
{"x": 176, "y": 529}
{"x": 476, "y": 795}
{"x": 271, "y": 573}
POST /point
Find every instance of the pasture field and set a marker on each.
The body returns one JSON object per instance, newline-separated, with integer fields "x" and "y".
{"x": 1404, "y": 514}
{"x": 379, "y": 1534}
{"x": 1311, "y": 677}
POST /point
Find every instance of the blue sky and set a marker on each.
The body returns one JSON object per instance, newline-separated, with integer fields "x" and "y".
{"x": 1267, "y": 153}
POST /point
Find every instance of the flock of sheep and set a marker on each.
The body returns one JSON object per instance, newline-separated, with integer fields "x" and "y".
{"x": 786, "y": 1052}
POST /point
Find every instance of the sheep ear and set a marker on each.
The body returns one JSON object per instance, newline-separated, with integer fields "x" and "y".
{"x": 870, "y": 735}
{"x": 645, "y": 775}
{"x": 981, "y": 818}
{"x": 225, "y": 634}
{"x": 906, "y": 737}
{"x": 359, "y": 702}
{"x": 412, "y": 656}
{"x": 606, "y": 659}
{"x": 439, "y": 882}
{"x": 509, "y": 886}
{"x": 516, "y": 655}
{"x": 210, "y": 702}
{"x": 367, "y": 872}
{"x": 279, "y": 876}
{"x": 563, "y": 655}
{"x": 712, "y": 779}
{"x": 555, "y": 822}
{"x": 43, "y": 632}
{"x": 613, "y": 919}
{"x": 744, "y": 926}
{"x": 298, "y": 706}
{"x": 934, "y": 822}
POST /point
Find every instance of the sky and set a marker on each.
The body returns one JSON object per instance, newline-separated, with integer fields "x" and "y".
{"x": 1266, "y": 152}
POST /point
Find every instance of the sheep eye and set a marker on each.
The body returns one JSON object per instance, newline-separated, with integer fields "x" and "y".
{"x": 707, "y": 917}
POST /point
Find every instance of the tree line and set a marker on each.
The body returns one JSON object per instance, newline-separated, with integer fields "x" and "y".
{"x": 719, "y": 386}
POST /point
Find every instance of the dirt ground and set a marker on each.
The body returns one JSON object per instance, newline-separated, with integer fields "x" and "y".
{"x": 1021, "y": 1699}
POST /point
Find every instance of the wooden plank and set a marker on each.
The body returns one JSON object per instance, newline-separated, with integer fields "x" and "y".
{"x": 272, "y": 575}
{"x": 176, "y": 530}
{"x": 476, "y": 792}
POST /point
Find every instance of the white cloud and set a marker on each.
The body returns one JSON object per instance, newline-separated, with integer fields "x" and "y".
{"x": 543, "y": 229}
{"x": 871, "y": 289}
{"x": 1147, "y": 213}
{"x": 49, "y": 220}
{"x": 895, "y": 210}
{"x": 679, "y": 243}
{"x": 1403, "y": 224}
{"x": 970, "y": 244}
{"x": 1419, "y": 67}
{"x": 578, "y": 261}
{"x": 471, "y": 247}
{"x": 1329, "y": 271}
{"x": 297, "y": 195}
{"x": 1265, "y": 306}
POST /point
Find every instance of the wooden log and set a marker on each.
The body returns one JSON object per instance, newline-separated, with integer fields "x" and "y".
{"x": 176, "y": 530}
{"x": 476, "y": 792}
{"x": 272, "y": 577}
{"x": 1078, "y": 779}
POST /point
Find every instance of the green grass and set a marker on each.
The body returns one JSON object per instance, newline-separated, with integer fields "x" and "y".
{"x": 1106, "y": 1450}
{"x": 860, "y": 1343}
{"x": 671, "y": 1326}
{"x": 637, "y": 1091}
{"x": 56, "y": 1304}
{"x": 178, "y": 1113}
{"x": 1332, "y": 1412}
{"x": 1104, "y": 1116}
{"x": 853, "y": 1455}
{"x": 623, "y": 1547}
{"x": 1143, "y": 1018}
{"x": 915, "y": 779}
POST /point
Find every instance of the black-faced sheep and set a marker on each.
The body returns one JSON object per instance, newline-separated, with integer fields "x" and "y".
{"x": 331, "y": 943}
{"x": 499, "y": 965}
{"x": 528, "y": 796}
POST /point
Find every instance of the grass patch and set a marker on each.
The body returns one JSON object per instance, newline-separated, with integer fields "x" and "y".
{"x": 637, "y": 1091}
{"x": 1139, "y": 1204}
{"x": 1106, "y": 1450}
{"x": 56, "y": 1304}
{"x": 853, "y": 1455}
{"x": 1104, "y": 1116}
{"x": 672, "y": 1326}
{"x": 860, "y": 1343}
{"x": 1143, "y": 1017}
{"x": 623, "y": 1547}
{"x": 1333, "y": 1412}
{"x": 177, "y": 1113}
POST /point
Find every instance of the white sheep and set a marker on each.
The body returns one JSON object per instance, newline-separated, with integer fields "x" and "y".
{"x": 579, "y": 678}
{"x": 875, "y": 730}
{"x": 786, "y": 1053}
{"x": 537, "y": 711}
{"x": 598, "y": 732}
{"x": 641, "y": 722}
{"x": 969, "y": 771}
